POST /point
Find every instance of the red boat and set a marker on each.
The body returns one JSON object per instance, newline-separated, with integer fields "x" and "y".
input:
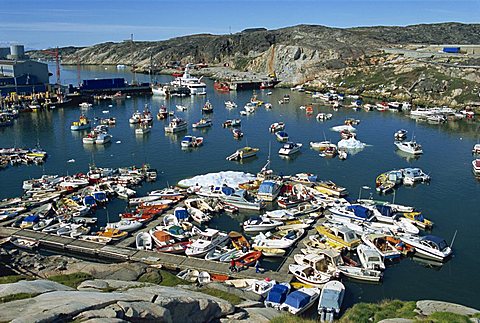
{"x": 140, "y": 217}
{"x": 221, "y": 86}
{"x": 248, "y": 259}
{"x": 177, "y": 74}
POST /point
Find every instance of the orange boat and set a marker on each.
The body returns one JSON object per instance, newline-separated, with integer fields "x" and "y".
{"x": 159, "y": 207}
{"x": 248, "y": 259}
{"x": 113, "y": 234}
{"x": 162, "y": 238}
{"x": 140, "y": 217}
{"x": 238, "y": 240}
{"x": 219, "y": 278}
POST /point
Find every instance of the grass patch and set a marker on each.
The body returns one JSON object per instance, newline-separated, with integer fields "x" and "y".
{"x": 374, "y": 312}
{"x": 169, "y": 279}
{"x": 154, "y": 277}
{"x": 71, "y": 280}
{"x": 15, "y": 297}
{"x": 289, "y": 318}
{"x": 233, "y": 299}
{"x": 444, "y": 317}
{"x": 13, "y": 279}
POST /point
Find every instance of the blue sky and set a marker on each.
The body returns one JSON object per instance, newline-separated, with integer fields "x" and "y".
{"x": 49, "y": 23}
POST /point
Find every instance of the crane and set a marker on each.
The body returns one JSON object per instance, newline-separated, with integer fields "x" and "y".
{"x": 54, "y": 53}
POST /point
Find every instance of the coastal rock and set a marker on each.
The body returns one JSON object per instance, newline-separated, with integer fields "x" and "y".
{"x": 397, "y": 320}
{"x": 118, "y": 285}
{"x": 110, "y": 312}
{"x": 428, "y": 307}
{"x": 235, "y": 291}
{"x": 262, "y": 315}
{"x": 104, "y": 320}
{"x": 31, "y": 287}
{"x": 145, "y": 311}
{"x": 249, "y": 304}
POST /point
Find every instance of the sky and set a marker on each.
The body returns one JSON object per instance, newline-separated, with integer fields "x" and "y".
{"x": 41, "y": 24}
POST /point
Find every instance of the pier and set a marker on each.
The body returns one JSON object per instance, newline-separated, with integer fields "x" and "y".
{"x": 122, "y": 251}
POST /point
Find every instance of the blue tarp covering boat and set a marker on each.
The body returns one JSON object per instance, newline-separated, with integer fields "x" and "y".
{"x": 297, "y": 299}
{"x": 277, "y": 294}
{"x": 181, "y": 214}
{"x": 360, "y": 211}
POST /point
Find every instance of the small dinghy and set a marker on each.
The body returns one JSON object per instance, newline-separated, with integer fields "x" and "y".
{"x": 24, "y": 243}
{"x": 204, "y": 278}
{"x": 190, "y": 275}
{"x": 143, "y": 241}
{"x": 360, "y": 273}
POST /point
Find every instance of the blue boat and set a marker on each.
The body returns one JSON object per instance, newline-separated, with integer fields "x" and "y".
{"x": 29, "y": 221}
{"x": 89, "y": 201}
{"x": 281, "y": 136}
{"x": 300, "y": 300}
{"x": 100, "y": 197}
{"x": 181, "y": 214}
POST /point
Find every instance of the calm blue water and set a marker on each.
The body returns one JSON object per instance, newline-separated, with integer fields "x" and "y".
{"x": 451, "y": 199}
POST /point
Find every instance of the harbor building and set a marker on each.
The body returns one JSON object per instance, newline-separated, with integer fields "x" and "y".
{"x": 20, "y": 74}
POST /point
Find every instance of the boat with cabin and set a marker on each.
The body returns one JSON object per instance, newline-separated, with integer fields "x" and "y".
{"x": 82, "y": 124}
{"x": 206, "y": 241}
{"x": 410, "y": 147}
{"x": 330, "y": 301}
{"x": 176, "y": 125}
{"x": 289, "y": 148}
{"x": 243, "y": 153}
{"x": 300, "y": 300}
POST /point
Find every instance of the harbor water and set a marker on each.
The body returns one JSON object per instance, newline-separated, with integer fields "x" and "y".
{"x": 451, "y": 200}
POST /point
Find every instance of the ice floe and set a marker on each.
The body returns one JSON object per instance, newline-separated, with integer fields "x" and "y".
{"x": 230, "y": 178}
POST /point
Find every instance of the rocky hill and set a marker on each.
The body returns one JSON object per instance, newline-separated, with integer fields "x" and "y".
{"x": 318, "y": 55}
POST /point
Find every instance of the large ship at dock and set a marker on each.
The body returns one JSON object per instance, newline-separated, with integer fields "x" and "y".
{"x": 195, "y": 84}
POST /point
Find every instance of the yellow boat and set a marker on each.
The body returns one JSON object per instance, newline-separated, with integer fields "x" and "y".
{"x": 270, "y": 252}
{"x": 339, "y": 236}
{"x": 238, "y": 240}
{"x": 114, "y": 234}
{"x": 298, "y": 285}
{"x": 418, "y": 219}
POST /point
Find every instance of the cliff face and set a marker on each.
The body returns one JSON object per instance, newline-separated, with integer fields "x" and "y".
{"x": 299, "y": 54}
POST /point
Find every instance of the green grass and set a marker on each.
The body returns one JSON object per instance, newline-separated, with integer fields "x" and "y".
{"x": 233, "y": 299}
{"x": 154, "y": 277}
{"x": 13, "y": 279}
{"x": 288, "y": 318}
{"x": 15, "y": 297}
{"x": 444, "y": 317}
{"x": 374, "y": 312}
{"x": 71, "y": 280}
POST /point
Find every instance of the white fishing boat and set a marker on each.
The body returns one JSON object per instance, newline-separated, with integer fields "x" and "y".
{"x": 206, "y": 241}
{"x": 300, "y": 300}
{"x": 203, "y": 123}
{"x": 414, "y": 175}
{"x": 290, "y": 148}
{"x": 383, "y": 244}
{"x": 476, "y": 149}
{"x": 281, "y": 136}
{"x": 243, "y": 153}
{"x": 194, "y": 84}
{"x": 230, "y": 104}
{"x": 429, "y": 246}
{"x": 191, "y": 142}
{"x": 353, "y": 212}
{"x": 476, "y": 166}
{"x": 198, "y": 215}
{"x": 410, "y": 147}
{"x": 143, "y": 241}
{"x": 322, "y": 145}
{"x": 269, "y": 190}
{"x": 103, "y": 138}
{"x": 370, "y": 258}
{"x": 261, "y": 287}
{"x": 240, "y": 199}
{"x": 257, "y": 224}
{"x": 176, "y": 125}
{"x": 135, "y": 118}
{"x": 277, "y": 126}
{"x": 143, "y": 199}
{"x": 324, "y": 116}
{"x": 400, "y": 134}
{"x": 330, "y": 301}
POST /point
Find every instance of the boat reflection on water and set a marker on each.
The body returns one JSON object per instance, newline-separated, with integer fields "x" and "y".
{"x": 408, "y": 157}
{"x": 428, "y": 263}
{"x": 290, "y": 158}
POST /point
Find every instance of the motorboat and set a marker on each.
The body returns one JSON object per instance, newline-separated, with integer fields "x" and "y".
{"x": 194, "y": 84}
{"x": 237, "y": 133}
{"x": 143, "y": 241}
{"x": 418, "y": 219}
{"x": 160, "y": 90}
{"x": 230, "y": 104}
{"x": 476, "y": 166}
{"x": 290, "y": 148}
{"x": 330, "y": 301}
{"x": 135, "y": 118}
{"x": 354, "y": 212}
{"x": 206, "y": 241}
{"x": 261, "y": 287}
{"x": 281, "y": 136}
{"x": 191, "y": 142}
{"x": 281, "y": 240}
{"x": 203, "y": 123}
{"x": 370, "y": 258}
{"x": 277, "y": 295}
{"x": 240, "y": 199}
{"x": 322, "y": 145}
{"x": 330, "y": 188}
{"x": 103, "y": 138}
{"x": 238, "y": 240}
{"x": 113, "y": 234}
{"x": 207, "y": 107}
{"x": 232, "y": 123}
{"x": 168, "y": 194}
{"x": 339, "y": 236}
{"x": 277, "y": 126}
{"x": 360, "y": 273}
{"x": 143, "y": 129}
{"x": 400, "y": 134}
{"x": 125, "y": 225}
{"x": 176, "y": 125}
{"x": 429, "y": 246}
{"x": 82, "y": 124}
{"x": 270, "y": 252}
{"x": 162, "y": 113}
{"x": 269, "y": 190}
{"x": 174, "y": 248}
{"x": 190, "y": 275}
{"x": 476, "y": 149}
{"x": 143, "y": 199}
{"x": 414, "y": 175}
{"x": 384, "y": 244}
{"x": 324, "y": 116}
{"x": 300, "y": 300}
{"x": 159, "y": 237}
{"x": 198, "y": 215}
{"x": 29, "y": 221}
{"x": 410, "y": 147}
{"x": 243, "y": 153}
{"x": 257, "y": 224}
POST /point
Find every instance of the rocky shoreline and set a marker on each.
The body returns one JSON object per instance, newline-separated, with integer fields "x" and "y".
{"x": 58, "y": 288}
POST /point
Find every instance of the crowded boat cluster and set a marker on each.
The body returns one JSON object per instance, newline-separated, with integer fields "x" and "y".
{"x": 21, "y": 156}
{"x": 357, "y": 239}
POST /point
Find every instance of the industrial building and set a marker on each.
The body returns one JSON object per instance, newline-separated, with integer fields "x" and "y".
{"x": 20, "y": 74}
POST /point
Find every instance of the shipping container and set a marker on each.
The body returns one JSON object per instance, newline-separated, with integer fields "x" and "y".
{"x": 99, "y": 84}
